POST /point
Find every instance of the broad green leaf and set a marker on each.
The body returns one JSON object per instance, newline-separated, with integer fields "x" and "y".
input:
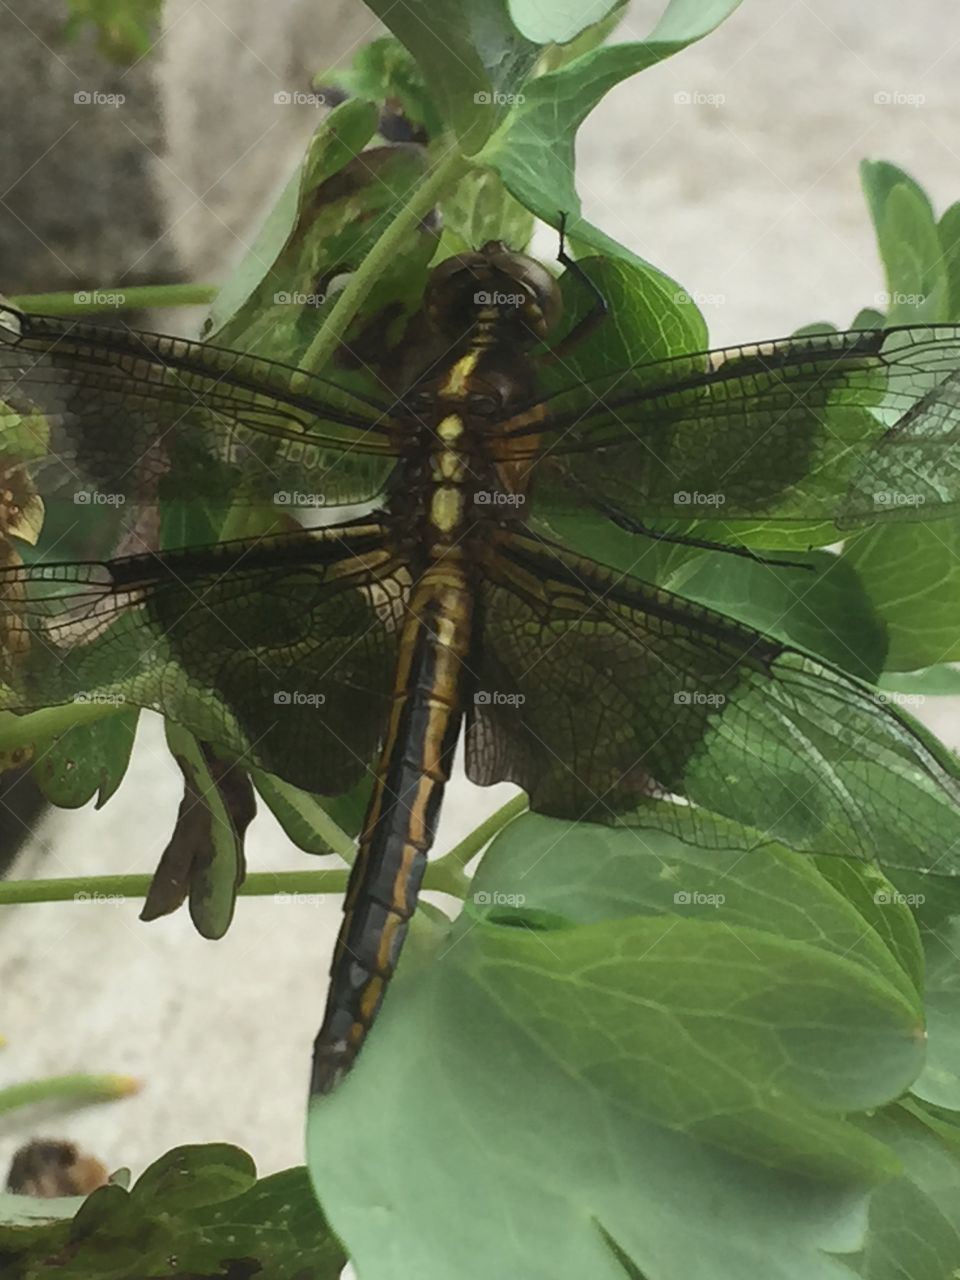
{"x": 909, "y": 244}
{"x": 591, "y": 873}
{"x": 911, "y": 573}
{"x": 533, "y": 150}
{"x": 87, "y": 760}
{"x": 914, "y": 1231}
{"x": 705, "y": 1051}
{"x": 939, "y": 1083}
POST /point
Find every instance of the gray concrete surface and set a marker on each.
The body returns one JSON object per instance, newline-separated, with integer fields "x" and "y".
{"x": 752, "y": 202}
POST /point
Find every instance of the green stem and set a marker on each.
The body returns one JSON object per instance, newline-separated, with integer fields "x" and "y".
{"x": 440, "y": 178}
{"x": 76, "y": 1088}
{"x": 107, "y": 299}
{"x": 445, "y": 875}
{"x": 450, "y": 866}
{"x": 117, "y": 889}
{"x": 38, "y": 726}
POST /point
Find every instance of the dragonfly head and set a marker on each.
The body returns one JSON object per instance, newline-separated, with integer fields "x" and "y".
{"x": 495, "y": 289}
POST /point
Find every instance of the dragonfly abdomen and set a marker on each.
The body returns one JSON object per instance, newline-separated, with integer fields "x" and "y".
{"x": 399, "y": 827}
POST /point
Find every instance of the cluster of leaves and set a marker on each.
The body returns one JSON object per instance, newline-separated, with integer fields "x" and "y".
{"x": 197, "y": 1213}
{"x": 638, "y": 1054}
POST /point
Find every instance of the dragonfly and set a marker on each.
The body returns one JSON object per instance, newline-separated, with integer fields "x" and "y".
{"x": 440, "y": 605}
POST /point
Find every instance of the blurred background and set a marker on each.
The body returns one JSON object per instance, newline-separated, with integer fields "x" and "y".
{"x": 733, "y": 167}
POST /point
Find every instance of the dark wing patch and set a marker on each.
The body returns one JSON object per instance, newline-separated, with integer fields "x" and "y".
{"x": 140, "y": 417}
{"x": 597, "y": 694}
{"x": 281, "y": 650}
{"x": 846, "y": 427}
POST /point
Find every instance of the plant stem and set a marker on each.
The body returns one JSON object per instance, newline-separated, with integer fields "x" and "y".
{"x": 450, "y": 866}
{"x": 38, "y": 726}
{"x": 148, "y": 295}
{"x": 440, "y": 178}
{"x": 77, "y": 1088}
{"x": 118, "y": 889}
{"x": 445, "y": 875}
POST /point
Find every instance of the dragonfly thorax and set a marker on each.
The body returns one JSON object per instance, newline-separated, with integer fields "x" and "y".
{"x": 493, "y": 295}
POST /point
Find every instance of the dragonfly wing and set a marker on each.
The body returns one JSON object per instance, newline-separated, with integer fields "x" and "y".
{"x": 599, "y": 694}
{"x": 280, "y": 650}
{"x": 139, "y": 416}
{"x": 804, "y": 429}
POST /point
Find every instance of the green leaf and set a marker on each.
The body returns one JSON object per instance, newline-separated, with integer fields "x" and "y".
{"x": 87, "y": 760}
{"x": 929, "y": 682}
{"x": 887, "y": 912}
{"x": 303, "y": 817}
{"x": 909, "y": 244}
{"x": 384, "y": 72}
{"x": 205, "y": 855}
{"x": 533, "y": 150}
{"x": 911, "y": 573}
{"x": 190, "y": 1177}
{"x": 914, "y": 1229}
{"x": 948, "y": 229}
{"x": 479, "y": 209}
{"x": 472, "y": 56}
{"x": 197, "y": 1212}
{"x": 705, "y": 1050}
{"x": 259, "y": 275}
{"x": 561, "y": 21}
{"x": 939, "y": 1084}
